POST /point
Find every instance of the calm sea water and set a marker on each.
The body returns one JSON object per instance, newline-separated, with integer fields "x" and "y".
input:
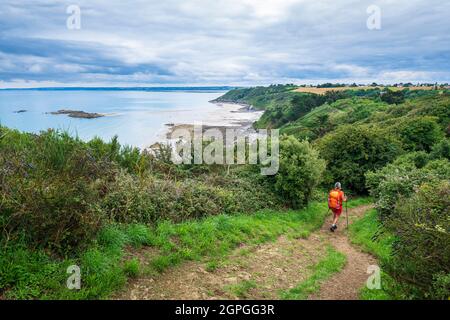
{"x": 137, "y": 117}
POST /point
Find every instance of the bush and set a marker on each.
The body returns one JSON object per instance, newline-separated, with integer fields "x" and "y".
{"x": 401, "y": 179}
{"x": 133, "y": 200}
{"x": 58, "y": 191}
{"x": 50, "y": 187}
{"x": 300, "y": 170}
{"x": 351, "y": 151}
{"x": 418, "y": 133}
{"x": 393, "y": 97}
{"x": 441, "y": 149}
{"x": 421, "y": 257}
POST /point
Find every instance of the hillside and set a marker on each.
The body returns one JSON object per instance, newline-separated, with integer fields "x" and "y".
{"x": 121, "y": 213}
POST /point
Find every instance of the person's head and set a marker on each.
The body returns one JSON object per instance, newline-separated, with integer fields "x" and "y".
{"x": 337, "y": 185}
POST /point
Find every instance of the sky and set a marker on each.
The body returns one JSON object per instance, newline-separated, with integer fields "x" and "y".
{"x": 222, "y": 42}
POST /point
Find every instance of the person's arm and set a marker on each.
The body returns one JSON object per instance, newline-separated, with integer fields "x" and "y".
{"x": 344, "y": 198}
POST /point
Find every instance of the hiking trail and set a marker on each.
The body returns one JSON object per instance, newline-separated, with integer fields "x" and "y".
{"x": 262, "y": 271}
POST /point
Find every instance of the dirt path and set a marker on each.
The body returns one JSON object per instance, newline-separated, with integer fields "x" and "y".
{"x": 346, "y": 284}
{"x": 260, "y": 272}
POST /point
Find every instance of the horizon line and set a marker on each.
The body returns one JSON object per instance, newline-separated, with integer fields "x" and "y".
{"x": 218, "y": 87}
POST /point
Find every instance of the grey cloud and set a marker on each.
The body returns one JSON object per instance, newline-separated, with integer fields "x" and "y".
{"x": 224, "y": 41}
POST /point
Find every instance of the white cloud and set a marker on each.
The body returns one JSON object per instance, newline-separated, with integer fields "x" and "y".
{"x": 223, "y": 41}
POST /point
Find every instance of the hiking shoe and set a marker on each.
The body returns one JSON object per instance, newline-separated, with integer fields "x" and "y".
{"x": 332, "y": 229}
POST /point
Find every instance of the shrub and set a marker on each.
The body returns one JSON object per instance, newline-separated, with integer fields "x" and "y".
{"x": 441, "y": 149}
{"x": 417, "y": 159}
{"x": 421, "y": 257}
{"x": 351, "y": 151}
{"x": 58, "y": 191}
{"x": 393, "y": 97}
{"x": 300, "y": 170}
{"x": 50, "y": 190}
{"x": 133, "y": 200}
{"x": 418, "y": 133}
{"x": 401, "y": 179}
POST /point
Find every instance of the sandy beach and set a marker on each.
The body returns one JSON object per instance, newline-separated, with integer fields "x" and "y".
{"x": 226, "y": 115}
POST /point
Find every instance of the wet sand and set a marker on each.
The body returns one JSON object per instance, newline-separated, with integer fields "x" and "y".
{"x": 230, "y": 116}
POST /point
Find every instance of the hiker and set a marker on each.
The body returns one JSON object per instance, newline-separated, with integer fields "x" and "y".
{"x": 335, "y": 199}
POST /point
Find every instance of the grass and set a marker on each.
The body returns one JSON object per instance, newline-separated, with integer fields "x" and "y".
{"x": 33, "y": 274}
{"x": 331, "y": 264}
{"x": 27, "y": 274}
{"x": 214, "y": 237}
{"x": 366, "y": 232}
{"x": 241, "y": 289}
{"x": 131, "y": 268}
{"x": 369, "y": 235}
{"x": 360, "y": 201}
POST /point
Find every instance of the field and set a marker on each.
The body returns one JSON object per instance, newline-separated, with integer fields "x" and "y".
{"x": 324, "y": 90}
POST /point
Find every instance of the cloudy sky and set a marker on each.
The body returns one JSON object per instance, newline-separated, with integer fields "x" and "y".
{"x": 222, "y": 42}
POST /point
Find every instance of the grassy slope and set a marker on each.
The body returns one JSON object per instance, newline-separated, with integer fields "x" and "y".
{"x": 367, "y": 233}
{"x": 104, "y": 269}
{"x": 343, "y": 111}
{"x": 260, "y": 97}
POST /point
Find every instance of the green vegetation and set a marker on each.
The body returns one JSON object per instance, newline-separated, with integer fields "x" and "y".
{"x": 329, "y": 116}
{"x": 259, "y": 97}
{"x": 33, "y": 274}
{"x": 29, "y": 273}
{"x": 393, "y": 144}
{"x": 422, "y": 249}
{"x": 57, "y": 192}
{"x": 64, "y": 201}
{"x": 367, "y": 233}
{"x": 300, "y": 170}
{"x": 242, "y": 288}
{"x": 353, "y": 150}
{"x": 214, "y": 237}
{"x": 331, "y": 264}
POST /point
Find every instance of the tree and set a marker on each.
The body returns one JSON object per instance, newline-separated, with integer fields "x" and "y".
{"x": 300, "y": 170}
{"x": 393, "y": 97}
{"x": 419, "y": 133}
{"x": 351, "y": 151}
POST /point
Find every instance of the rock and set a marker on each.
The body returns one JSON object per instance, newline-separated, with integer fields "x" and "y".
{"x": 78, "y": 114}
{"x": 20, "y": 111}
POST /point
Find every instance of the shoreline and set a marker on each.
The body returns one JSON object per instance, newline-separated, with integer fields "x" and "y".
{"x": 237, "y": 116}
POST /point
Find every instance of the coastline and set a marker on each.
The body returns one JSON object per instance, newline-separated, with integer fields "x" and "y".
{"x": 237, "y": 116}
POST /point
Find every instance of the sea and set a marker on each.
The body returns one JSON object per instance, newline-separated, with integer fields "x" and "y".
{"x": 138, "y": 116}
